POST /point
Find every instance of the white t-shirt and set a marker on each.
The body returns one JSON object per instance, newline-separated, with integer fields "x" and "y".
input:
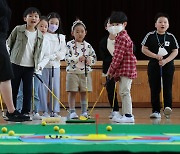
{"x": 110, "y": 46}
{"x": 27, "y": 59}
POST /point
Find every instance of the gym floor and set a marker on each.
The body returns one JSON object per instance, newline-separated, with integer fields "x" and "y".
{"x": 141, "y": 116}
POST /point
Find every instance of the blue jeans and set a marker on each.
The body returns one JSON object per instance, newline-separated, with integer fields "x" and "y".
{"x": 35, "y": 101}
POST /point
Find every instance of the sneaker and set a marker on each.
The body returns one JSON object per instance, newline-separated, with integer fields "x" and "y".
{"x": 114, "y": 113}
{"x": 46, "y": 115}
{"x": 155, "y": 115}
{"x": 167, "y": 112}
{"x": 85, "y": 114}
{"x": 123, "y": 119}
{"x": 55, "y": 115}
{"x": 36, "y": 116}
{"x": 73, "y": 115}
{"x": 17, "y": 117}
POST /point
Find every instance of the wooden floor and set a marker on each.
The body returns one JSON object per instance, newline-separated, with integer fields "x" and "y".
{"x": 141, "y": 116}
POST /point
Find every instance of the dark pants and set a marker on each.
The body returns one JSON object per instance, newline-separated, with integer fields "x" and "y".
{"x": 110, "y": 90}
{"x": 155, "y": 84}
{"x": 25, "y": 74}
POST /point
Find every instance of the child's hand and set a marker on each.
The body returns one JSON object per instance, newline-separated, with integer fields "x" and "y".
{"x": 159, "y": 57}
{"x": 81, "y": 58}
{"x": 88, "y": 61}
{"x": 162, "y": 62}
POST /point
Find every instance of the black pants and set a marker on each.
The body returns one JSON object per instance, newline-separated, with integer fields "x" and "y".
{"x": 25, "y": 74}
{"x": 110, "y": 90}
{"x": 155, "y": 84}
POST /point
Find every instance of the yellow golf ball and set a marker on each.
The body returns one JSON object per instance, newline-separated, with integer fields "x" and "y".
{"x": 61, "y": 131}
{"x": 11, "y": 133}
{"x": 109, "y": 128}
{"x": 4, "y": 129}
{"x": 56, "y": 128}
{"x": 43, "y": 123}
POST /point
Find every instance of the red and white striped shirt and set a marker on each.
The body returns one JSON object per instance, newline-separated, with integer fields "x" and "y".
{"x": 124, "y": 61}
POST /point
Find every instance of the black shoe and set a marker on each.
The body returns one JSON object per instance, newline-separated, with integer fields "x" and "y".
{"x": 17, "y": 117}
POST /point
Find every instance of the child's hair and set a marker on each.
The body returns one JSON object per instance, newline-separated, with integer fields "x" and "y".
{"x": 77, "y": 23}
{"x": 56, "y": 15}
{"x": 160, "y": 14}
{"x": 118, "y": 17}
{"x": 44, "y": 18}
{"x": 106, "y": 21}
{"x": 31, "y": 10}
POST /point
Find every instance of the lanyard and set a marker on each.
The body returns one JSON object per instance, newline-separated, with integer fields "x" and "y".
{"x": 83, "y": 49}
{"x": 161, "y": 45}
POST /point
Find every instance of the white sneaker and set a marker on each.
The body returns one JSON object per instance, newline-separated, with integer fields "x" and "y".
{"x": 85, "y": 114}
{"x": 73, "y": 115}
{"x": 155, "y": 115}
{"x": 114, "y": 113}
{"x": 167, "y": 112}
{"x": 55, "y": 115}
{"x": 36, "y": 116}
{"x": 123, "y": 119}
{"x": 46, "y": 115}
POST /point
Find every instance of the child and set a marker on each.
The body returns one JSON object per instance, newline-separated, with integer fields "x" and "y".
{"x": 162, "y": 47}
{"x": 25, "y": 45}
{"x": 123, "y": 65}
{"x": 57, "y": 52}
{"x": 42, "y": 61}
{"x": 5, "y": 66}
{"x": 106, "y": 47}
{"x": 79, "y": 58}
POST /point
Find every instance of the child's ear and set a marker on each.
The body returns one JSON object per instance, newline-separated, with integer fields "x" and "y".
{"x": 25, "y": 19}
{"x": 125, "y": 24}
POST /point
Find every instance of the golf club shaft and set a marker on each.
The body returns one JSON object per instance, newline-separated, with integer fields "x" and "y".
{"x": 52, "y": 105}
{"x": 162, "y": 98}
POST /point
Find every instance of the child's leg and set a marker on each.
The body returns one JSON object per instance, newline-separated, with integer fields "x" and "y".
{"x": 110, "y": 90}
{"x": 19, "y": 103}
{"x": 27, "y": 89}
{"x": 83, "y": 102}
{"x": 56, "y": 90}
{"x": 36, "y": 95}
{"x": 124, "y": 91}
{"x": 71, "y": 101}
{"x": 43, "y": 92}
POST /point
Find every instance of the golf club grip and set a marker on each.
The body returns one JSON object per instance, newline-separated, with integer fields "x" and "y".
{"x": 85, "y": 67}
{"x": 52, "y": 71}
{"x": 38, "y": 77}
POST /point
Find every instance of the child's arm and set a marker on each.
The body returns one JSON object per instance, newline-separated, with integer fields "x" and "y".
{"x": 11, "y": 39}
{"x": 45, "y": 55}
{"x": 91, "y": 58}
{"x": 169, "y": 58}
{"x": 148, "y": 53}
{"x": 60, "y": 55}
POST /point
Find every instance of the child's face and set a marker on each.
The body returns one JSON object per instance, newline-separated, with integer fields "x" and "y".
{"x": 79, "y": 33}
{"x": 32, "y": 19}
{"x": 162, "y": 24}
{"x": 53, "y": 25}
{"x": 43, "y": 26}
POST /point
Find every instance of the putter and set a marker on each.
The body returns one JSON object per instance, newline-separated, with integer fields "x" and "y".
{"x": 85, "y": 68}
{"x": 52, "y": 93}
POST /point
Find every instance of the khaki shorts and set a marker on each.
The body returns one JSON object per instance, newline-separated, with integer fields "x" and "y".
{"x": 77, "y": 82}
